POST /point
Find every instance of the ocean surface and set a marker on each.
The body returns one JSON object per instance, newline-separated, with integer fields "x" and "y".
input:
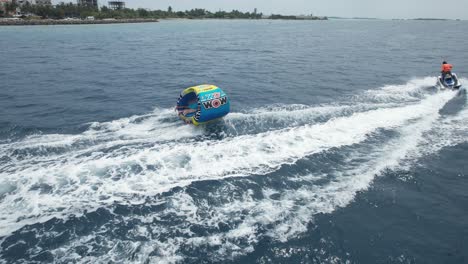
{"x": 338, "y": 147}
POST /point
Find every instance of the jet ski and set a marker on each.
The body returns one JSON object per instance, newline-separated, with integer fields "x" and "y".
{"x": 448, "y": 81}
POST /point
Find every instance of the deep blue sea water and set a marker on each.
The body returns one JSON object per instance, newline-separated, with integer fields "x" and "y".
{"x": 338, "y": 148}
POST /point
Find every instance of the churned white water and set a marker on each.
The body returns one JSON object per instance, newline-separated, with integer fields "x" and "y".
{"x": 125, "y": 161}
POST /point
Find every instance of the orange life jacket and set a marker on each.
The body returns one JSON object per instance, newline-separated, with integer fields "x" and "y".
{"x": 447, "y": 67}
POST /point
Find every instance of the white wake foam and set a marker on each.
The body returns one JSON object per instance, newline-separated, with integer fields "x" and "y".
{"x": 118, "y": 170}
{"x": 127, "y": 160}
{"x": 410, "y": 91}
{"x": 281, "y": 213}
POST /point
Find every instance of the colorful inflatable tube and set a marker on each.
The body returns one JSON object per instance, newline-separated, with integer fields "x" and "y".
{"x": 201, "y": 104}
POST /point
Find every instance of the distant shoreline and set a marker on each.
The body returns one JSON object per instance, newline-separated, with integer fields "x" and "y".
{"x": 398, "y": 19}
{"x": 39, "y": 22}
{"x": 44, "y": 22}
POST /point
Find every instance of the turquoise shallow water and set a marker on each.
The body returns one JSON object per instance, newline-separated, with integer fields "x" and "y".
{"x": 338, "y": 148}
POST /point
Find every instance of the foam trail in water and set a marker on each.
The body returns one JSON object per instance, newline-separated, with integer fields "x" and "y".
{"x": 410, "y": 91}
{"x": 281, "y": 116}
{"x": 289, "y": 215}
{"x": 58, "y": 186}
{"x": 151, "y": 126}
{"x": 448, "y": 131}
{"x": 279, "y": 214}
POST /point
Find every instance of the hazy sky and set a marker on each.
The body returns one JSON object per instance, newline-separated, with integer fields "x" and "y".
{"x": 347, "y": 8}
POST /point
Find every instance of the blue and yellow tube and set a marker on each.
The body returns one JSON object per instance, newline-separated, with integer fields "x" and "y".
{"x": 203, "y": 103}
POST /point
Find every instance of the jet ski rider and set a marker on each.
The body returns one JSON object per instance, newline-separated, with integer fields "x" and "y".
{"x": 446, "y": 69}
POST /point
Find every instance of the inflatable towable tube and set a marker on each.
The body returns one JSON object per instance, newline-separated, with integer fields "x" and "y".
{"x": 202, "y": 103}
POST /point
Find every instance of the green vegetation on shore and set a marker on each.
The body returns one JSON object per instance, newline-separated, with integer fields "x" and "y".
{"x": 70, "y": 10}
{"x": 75, "y": 11}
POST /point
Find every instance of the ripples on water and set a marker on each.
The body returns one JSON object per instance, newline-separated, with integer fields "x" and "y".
{"x": 148, "y": 188}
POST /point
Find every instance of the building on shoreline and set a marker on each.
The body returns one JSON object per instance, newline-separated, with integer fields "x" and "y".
{"x": 31, "y": 2}
{"x": 116, "y": 5}
{"x": 88, "y": 3}
{"x": 2, "y": 8}
{"x": 44, "y": 2}
{"x": 6, "y": 7}
{"x": 3, "y": 3}
{"x": 15, "y": 7}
